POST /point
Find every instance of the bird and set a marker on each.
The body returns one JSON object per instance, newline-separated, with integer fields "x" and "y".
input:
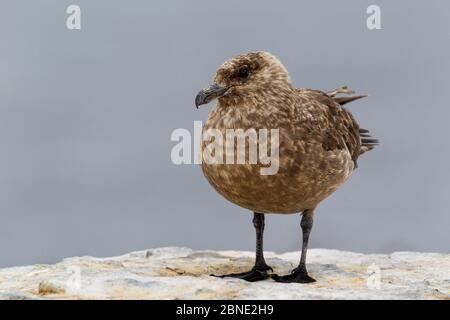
{"x": 319, "y": 145}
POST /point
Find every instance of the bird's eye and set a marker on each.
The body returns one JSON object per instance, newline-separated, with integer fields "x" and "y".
{"x": 243, "y": 72}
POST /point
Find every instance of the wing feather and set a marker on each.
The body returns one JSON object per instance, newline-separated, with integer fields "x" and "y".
{"x": 338, "y": 127}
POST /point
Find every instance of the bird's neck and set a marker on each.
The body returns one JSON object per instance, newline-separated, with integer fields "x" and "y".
{"x": 254, "y": 109}
{"x": 260, "y": 96}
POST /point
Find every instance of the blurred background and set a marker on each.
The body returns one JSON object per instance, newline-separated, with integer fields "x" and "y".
{"x": 86, "y": 117}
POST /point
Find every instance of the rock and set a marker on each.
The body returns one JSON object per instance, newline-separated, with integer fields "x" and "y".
{"x": 181, "y": 273}
{"x": 45, "y": 287}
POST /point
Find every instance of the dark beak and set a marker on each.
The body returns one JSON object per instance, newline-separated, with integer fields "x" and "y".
{"x": 209, "y": 93}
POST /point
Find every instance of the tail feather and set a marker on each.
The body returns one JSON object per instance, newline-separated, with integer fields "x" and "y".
{"x": 346, "y": 95}
{"x": 367, "y": 141}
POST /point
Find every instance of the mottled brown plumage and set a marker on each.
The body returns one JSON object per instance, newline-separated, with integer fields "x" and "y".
{"x": 320, "y": 141}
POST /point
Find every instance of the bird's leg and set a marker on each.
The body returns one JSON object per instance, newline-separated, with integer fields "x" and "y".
{"x": 258, "y": 223}
{"x": 300, "y": 274}
{"x": 259, "y": 271}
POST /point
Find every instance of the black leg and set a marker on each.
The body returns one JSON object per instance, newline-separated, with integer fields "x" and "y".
{"x": 258, "y": 223}
{"x": 300, "y": 274}
{"x": 259, "y": 271}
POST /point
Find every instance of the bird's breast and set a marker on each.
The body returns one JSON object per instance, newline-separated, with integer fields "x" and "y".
{"x": 305, "y": 173}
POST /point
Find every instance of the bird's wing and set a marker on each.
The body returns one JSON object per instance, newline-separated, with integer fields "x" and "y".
{"x": 334, "y": 126}
{"x": 344, "y": 95}
{"x": 347, "y": 97}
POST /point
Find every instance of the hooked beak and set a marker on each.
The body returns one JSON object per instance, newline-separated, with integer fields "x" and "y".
{"x": 209, "y": 93}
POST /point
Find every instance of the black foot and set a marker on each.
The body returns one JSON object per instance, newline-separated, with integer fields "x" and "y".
{"x": 256, "y": 274}
{"x": 297, "y": 276}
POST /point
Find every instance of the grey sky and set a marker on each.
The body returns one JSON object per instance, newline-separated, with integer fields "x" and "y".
{"x": 86, "y": 118}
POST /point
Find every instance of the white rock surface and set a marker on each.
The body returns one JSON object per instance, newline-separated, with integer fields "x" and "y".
{"x": 181, "y": 273}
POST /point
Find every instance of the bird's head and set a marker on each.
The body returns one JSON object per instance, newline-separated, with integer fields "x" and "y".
{"x": 245, "y": 75}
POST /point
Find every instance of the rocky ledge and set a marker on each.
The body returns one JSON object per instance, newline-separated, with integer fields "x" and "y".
{"x": 181, "y": 273}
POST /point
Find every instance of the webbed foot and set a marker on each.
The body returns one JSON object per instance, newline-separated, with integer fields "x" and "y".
{"x": 256, "y": 274}
{"x": 296, "y": 276}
